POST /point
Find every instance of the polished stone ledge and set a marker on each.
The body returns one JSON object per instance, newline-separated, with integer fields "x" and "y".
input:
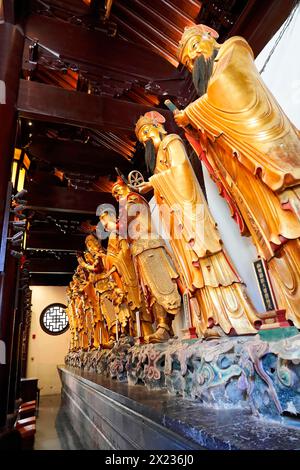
{"x": 107, "y": 414}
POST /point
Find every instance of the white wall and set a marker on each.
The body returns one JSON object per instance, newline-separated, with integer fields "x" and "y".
{"x": 240, "y": 249}
{"x": 282, "y": 73}
{"x": 46, "y": 351}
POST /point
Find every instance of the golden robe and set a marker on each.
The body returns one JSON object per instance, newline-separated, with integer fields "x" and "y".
{"x": 119, "y": 256}
{"x": 253, "y": 151}
{"x": 95, "y": 313}
{"x": 154, "y": 267}
{"x": 206, "y": 269}
{"x": 70, "y": 310}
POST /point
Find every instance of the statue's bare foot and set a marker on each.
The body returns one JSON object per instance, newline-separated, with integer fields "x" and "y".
{"x": 160, "y": 336}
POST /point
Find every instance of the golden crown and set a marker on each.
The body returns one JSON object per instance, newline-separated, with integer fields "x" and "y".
{"x": 149, "y": 119}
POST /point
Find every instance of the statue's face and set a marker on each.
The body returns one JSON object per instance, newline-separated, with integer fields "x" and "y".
{"x": 120, "y": 191}
{"x": 149, "y": 132}
{"x": 202, "y": 44}
{"x": 93, "y": 245}
{"x": 118, "y": 295}
{"x": 108, "y": 221}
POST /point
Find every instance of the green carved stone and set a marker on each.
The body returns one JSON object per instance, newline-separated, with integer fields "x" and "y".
{"x": 277, "y": 334}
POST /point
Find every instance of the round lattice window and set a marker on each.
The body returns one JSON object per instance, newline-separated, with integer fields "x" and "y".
{"x": 54, "y": 319}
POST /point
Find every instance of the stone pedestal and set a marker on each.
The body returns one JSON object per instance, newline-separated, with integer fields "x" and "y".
{"x": 105, "y": 415}
{"x": 259, "y": 375}
{"x": 108, "y": 414}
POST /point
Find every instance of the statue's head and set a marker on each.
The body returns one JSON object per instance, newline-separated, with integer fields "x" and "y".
{"x": 149, "y": 130}
{"x": 108, "y": 218}
{"x": 198, "y": 40}
{"x": 118, "y": 296}
{"x": 93, "y": 244}
{"x": 150, "y": 126}
{"x": 120, "y": 189}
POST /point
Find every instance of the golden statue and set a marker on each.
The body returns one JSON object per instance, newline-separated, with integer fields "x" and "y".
{"x": 104, "y": 305}
{"x": 251, "y": 150}
{"x": 78, "y": 284}
{"x": 119, "y": 265}
{"x": 80, "y": 312}
{"x": 155, "y": 270}
{"x": 205, "y": 268}
{"x": 70, "y": 310}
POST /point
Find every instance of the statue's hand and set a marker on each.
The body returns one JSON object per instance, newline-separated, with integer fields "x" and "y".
{"x": 181, "y": 118}
{"x": 144, "y": 187}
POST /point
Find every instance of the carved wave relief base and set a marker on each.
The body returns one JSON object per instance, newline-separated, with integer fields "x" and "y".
{"x": 237, "y": 372}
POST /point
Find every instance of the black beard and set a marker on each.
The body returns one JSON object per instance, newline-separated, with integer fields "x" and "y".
{"x": 150, "y": 157}
{"x": 202, "y": 71}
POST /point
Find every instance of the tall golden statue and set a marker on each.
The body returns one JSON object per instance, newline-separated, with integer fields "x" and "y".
{"x": 119, "y": 264}
{"x": 206, "y": 270}
{"x": 105, "y": 306}
{"x": 78, "y": 285}
{"x": 251, "y": 149}
{"x": 70, "y": 310}
{"x": 155, "y": 270}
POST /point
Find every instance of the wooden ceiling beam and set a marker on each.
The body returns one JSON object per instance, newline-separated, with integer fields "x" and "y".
{"x": 78, "y": 44}
{"x": 259, "y": 21}
{"x": 60, "y": 199}
{"x": 76, "y": 156}
{"x": 43, "y": 266}
{"x": 50, "y": 279}
{"x": 9, "y": 11}
{"x": 40, "y": 240}
{"x": 54, "y": 104}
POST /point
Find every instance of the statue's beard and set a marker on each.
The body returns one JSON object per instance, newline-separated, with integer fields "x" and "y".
{"x": 150, "y": 156}
{"x": 202, "y": 71}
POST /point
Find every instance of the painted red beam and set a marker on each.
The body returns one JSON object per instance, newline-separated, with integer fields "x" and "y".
{"x": 53, "y": 104}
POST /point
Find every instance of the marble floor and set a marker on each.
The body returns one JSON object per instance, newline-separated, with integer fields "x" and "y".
{"x": 51, "y": 425}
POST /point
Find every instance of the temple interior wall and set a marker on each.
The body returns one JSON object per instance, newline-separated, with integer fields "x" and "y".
{"x": 240, "y": 249}
{"x": 46, "y": 351}
{"x": 282, "y": 73}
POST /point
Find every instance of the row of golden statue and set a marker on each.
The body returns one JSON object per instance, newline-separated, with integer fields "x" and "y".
{"x": 252, "y": 153}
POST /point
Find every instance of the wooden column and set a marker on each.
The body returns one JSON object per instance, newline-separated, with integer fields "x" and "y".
{"x": 14, "y": 350}
{"x": 11, "y": 49}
